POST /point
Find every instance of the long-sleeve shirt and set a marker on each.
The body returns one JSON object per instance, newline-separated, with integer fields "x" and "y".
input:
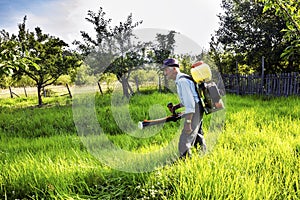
{"x": 187, "y": 93}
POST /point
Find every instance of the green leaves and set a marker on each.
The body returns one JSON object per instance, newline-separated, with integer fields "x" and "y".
{"x": 251, "y": 29}
{"x": 289, "y": 10}
{"x": 41, "y": 57}
{"x": 113, "y": 50}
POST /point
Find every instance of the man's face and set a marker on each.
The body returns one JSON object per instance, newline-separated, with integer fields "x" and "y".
{"x": 170, "y": 73}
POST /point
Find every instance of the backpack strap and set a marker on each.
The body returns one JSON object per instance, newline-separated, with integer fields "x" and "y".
{"x": 191, "y": 79}
{"x": 201, "y": 102}
{"x": 209, "y": 96}
{"x": 187, "y": 77}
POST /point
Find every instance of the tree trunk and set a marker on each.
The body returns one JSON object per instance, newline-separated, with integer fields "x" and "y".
{"x": 11, "y": 94}
{"x": 125, "y": 87}
{"x": 166, "y": 86}
{"x": 99, "y": 86}
{"x": 159, "y": 84}
{"x": 40, "y": 101}
{"x": 129, "y": 88}
{"x": 25, "y": 91}
{"x": 137, "y": 84}
{"x": 70, "y": 94}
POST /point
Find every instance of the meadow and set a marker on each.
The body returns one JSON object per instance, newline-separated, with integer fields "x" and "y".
{"x": 257, "y": 155}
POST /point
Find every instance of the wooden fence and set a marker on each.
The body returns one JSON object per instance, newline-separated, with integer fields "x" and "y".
{"x": 285, "y": 84}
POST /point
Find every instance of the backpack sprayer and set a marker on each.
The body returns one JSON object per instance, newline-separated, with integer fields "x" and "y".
{"x": 207, "y": 90}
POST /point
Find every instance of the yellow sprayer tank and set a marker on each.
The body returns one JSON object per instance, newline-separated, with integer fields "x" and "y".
{"x": 201, "y": 72}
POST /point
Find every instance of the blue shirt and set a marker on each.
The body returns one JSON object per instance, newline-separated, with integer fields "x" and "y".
{"x": 187, "y": 94}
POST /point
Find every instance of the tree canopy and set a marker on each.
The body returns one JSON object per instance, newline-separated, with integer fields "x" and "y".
{"x": 114, "y": 49}
{"x": 289, "y": 10}
{"x": 40, "y": 56}
{"x": 248, "y": 31}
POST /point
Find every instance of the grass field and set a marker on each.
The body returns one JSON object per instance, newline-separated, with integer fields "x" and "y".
{"x": 257, "y": 156}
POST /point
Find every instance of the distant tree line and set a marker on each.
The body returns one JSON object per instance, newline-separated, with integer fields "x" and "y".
{"x": 249, "y": 29}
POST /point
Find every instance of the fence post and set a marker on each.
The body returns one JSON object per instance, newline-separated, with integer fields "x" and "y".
{"x": 262, "y": 73}
{"x": 238, "y": 77}
{"x": 296, "y": 84}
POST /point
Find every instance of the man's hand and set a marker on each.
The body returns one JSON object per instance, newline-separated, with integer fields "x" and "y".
{"x": 172, "y": 108}
{"x": 188, "y": 123}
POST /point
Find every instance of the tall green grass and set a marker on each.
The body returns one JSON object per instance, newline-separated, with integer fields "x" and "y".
{"x": 256, "y": 156}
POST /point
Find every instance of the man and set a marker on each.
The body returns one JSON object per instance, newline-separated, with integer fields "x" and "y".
{"x": 192, "y": 133}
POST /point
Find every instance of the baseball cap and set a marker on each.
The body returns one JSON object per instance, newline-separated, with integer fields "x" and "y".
{"x": 170, "y": 62}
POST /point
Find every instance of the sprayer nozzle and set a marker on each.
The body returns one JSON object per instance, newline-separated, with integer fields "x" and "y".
{"x": 140, "y": 125}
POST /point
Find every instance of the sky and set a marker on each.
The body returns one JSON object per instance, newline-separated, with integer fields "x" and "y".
{"x": 195, "y": 20}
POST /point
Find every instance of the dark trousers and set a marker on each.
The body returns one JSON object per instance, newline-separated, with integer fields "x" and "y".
{"x": 188, "y": 140}
{"x": 200, "y": 141}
